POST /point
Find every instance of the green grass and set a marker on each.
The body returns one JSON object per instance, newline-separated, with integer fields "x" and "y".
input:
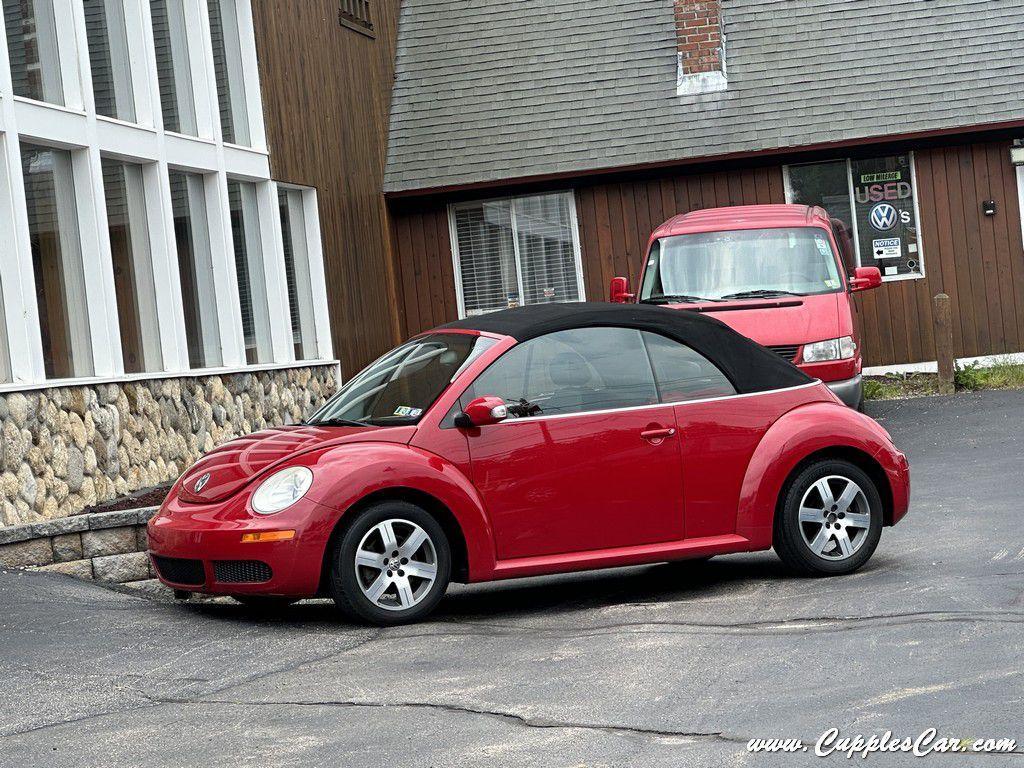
{"x": 967, "y": 378}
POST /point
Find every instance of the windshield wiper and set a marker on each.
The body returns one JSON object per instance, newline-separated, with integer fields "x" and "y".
{"x": 674, "y": 298}
{"x": 334, "y": 423}
{"x": 761, "y": 293}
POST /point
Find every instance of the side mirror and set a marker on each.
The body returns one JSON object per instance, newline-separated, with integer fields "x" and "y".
{"x": 618, "y": 291}
{"x": 865, "y": 278}
{"x": 481, "y": 412}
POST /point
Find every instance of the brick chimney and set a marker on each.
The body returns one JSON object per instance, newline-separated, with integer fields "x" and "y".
{"x": 700, "y": 46}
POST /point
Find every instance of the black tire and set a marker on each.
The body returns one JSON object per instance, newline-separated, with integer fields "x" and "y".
{"x": 789, "y": 540}
{"x": 265, "y": 604}
{"x": 347, "y": 593}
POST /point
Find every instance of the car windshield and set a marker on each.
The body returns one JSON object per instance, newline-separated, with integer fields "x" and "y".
{"x": 400, "y": 387}
{"x": 748, "y": 263}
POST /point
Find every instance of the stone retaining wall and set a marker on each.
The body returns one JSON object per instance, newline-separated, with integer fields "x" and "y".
{"x": 104, "y": 546}
{"x": 66, "y": 448}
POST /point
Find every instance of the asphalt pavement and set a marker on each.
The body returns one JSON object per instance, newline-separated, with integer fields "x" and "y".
{"x": 668, "y": 665}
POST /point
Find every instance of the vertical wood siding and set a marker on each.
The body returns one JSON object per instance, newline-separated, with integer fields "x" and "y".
{"x": 978, "y": 260}
{"x": 326, "y": 95}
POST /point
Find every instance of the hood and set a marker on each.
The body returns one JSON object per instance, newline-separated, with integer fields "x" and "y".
{"x": 782, "y": 321}
{"x": 234, "y": 464}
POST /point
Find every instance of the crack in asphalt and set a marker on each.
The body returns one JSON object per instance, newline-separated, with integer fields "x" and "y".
{"x": 796, "y": 625}
{"x": 523, "y": 720}
{"x": 155, "y": 702}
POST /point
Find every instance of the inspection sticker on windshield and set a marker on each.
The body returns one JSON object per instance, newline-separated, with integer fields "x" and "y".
{"x": 887, "y": 248}
{"x": 823, "y": 247}
{"x": 405, "y": 410}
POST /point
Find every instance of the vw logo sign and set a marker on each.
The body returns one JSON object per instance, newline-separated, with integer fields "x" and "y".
{"x": 201, "y": 482}
{"x": 883, "y": 217}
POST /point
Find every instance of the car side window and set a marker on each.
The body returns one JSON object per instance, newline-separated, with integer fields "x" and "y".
{"x": 584, "y": 369}
{"x": 683, "y": 374}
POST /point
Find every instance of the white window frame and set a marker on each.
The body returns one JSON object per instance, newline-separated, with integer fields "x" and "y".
{"x": 89, "y": 137}
{"x": 854, "y": 231}
{"x": 315, "y": 327}
{"x": 577, "y": 251}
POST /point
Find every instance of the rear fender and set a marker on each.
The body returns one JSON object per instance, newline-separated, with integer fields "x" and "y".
{"x": 792, "y": 438}
{"x": 346, "y": 476}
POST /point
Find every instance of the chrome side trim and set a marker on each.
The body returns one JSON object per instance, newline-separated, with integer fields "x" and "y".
{"x": 814, "y": 383}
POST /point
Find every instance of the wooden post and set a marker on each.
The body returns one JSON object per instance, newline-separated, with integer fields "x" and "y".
{"x": 944, "y": 343}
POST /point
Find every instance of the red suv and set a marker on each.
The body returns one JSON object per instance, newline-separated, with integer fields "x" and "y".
{"x": 780, "y": 274}
{"x": 530, "y": 441}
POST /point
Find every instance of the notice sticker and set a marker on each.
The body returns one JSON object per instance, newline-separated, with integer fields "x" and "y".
{"x": 887, "y": 248}
{"x": 890, "y": 271}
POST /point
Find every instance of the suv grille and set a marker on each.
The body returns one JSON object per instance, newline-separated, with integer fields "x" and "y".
{"x": 180, "y": 571}
{"x": 787, "y": 351}
{"x": 241, "y": 571}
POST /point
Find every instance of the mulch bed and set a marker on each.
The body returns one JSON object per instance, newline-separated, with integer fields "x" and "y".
{"x": 147, "y": 497}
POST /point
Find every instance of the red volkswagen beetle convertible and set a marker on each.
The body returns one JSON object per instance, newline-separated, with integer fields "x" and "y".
{"x": 531, "y": 441}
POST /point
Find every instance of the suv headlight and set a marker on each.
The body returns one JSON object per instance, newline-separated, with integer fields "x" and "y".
{"x": 281, "y": 490}
{"x": 831, "y": 349}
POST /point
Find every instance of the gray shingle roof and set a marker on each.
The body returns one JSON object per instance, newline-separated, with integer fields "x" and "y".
{"x": 500, "y": 89}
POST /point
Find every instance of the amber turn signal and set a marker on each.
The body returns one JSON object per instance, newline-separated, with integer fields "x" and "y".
{"x": 267, "y": 536}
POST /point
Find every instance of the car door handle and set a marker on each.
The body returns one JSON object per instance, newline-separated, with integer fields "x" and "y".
{"x": 657, "y": 434}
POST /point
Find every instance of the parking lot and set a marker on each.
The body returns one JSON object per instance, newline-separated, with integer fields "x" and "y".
{"x": 661, "y": 665}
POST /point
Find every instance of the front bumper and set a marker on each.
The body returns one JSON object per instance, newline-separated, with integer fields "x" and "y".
{"x": 899, "y": 482}
{"x": 210, "y": 537}
{"x": 850, "y": 391}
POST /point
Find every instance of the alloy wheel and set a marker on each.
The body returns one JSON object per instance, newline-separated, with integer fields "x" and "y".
{"x": 834, "y": 517}
{"x": 396, "y": 564}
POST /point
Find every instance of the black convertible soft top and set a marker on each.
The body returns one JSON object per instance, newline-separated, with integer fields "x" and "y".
{"x": 749, "y": 366}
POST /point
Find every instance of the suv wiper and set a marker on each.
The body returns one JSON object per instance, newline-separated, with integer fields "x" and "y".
{"x": 761, "y": 293}
{"x": 334, "y": 423}
{"x": 676, "y": 297}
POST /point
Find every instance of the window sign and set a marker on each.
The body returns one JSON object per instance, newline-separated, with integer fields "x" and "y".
{"x": 876, "y": 198}
{"x": 885, "y": 219}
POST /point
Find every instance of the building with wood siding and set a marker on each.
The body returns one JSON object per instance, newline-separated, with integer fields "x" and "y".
{"x": 532, "y": 148}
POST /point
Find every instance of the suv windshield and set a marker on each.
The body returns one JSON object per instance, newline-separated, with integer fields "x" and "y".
{"x": 402, "y": 385}
{"x": 748, "y": 263}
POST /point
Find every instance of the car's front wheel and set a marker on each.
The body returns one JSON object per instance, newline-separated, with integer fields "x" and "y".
{"x": 391, "y": 566}
{"x": 830, "y": 520}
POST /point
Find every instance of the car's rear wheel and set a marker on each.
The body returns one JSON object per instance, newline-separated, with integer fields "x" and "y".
{"x": 830, "y": 520}
{"x": 391, "y": 566}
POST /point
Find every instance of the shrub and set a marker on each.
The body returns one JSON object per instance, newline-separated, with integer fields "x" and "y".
{"x": 970, "y": 377}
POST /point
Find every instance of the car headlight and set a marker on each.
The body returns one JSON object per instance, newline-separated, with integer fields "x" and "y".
{"x": 831, "y": 349}
{"x": 281, "y": 490}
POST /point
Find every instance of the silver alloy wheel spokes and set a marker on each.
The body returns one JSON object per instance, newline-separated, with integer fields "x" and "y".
{"x": 396, "y": 564}
{"x": 834, "y": 517}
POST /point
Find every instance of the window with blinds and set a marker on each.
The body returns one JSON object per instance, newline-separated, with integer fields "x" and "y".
{"x": 109, "y": 58}
{"x": 516, "y": 251}
{"x": 173, "y": 66}
{"x": 227, "y": 64}
{"x": 297, "y": 271}
{"x": 252, "y": 285}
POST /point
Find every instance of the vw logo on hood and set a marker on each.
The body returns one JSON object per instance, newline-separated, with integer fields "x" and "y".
{"x": 883, "y": 217}
{"x": 201, "y": 483}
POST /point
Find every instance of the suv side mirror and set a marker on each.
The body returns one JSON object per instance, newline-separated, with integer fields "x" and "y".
{"x": 482, "y": 411}
{"x": 865, "y": 278}
{"x": 618, "y": 291}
